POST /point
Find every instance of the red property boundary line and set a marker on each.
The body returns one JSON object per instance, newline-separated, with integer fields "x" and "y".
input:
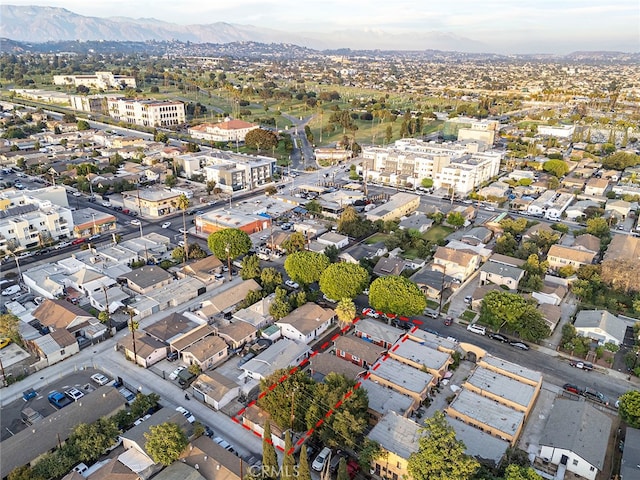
{"x": 302, "y": 364}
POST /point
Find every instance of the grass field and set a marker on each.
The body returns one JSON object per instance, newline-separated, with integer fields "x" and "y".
{"x": 437, "y": 233}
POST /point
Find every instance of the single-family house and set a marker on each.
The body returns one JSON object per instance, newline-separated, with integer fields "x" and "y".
{"x": 61, "y": 315}
{"x": 212, "y": 461}
{"x": 457, "y": 263}
{"x": 173, "y": 327}
{"x": 551, "y": 314}
{"x": 376, "y": 332}
{"x": 215, "y": 389}
{"x": 284, "y": 353}
{"x": 323, "y": 364}
{"x": 389, "y": 266}
{"x": 596, "y": 187}
{"x": 587, "y": 242}
{"x": 237, "y": 334}
{"x": 306, "y": 323}
{"x": 551, "y": 293}
{"x": 501, "y": 274}
{"x": 206, "y": 352}
{"x": 416, "y": 221}
{"x": 227, "y": 300}
{"x": 560, "y": 256}
{"x": 617, "y": 208}
{"x": 145, "y": 279}
{"x": 602, "y": 326}
{"x": 630, "y": 466}
{"x": 433, "y": 282}
{"x": 146, "y": 350}
{"x": 335, "y": 239}
{"x": 363, "y": 251}
{"x": 257, "y": 315}
{"x": 207, "y": 270}
{"x": 575, "y": 439}
{"x": 535, "y": 230}
{"x": 477, "y": 236}
{"x": 358, "y": 351}
{"x": 577, "y": 209}
{"x": 56, "y": 346}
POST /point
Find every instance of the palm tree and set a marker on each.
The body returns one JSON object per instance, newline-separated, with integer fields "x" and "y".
{"x": 183, "y": 204}
{"x": 345, "y": 311}
{"x": 133, "y": 326}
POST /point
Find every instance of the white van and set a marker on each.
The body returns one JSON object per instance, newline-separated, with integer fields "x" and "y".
{"x": 472, "y": 327}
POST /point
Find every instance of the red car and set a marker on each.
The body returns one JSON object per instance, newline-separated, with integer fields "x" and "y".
{"x": 448, "y": 321}
{"x": 78, "y": 241}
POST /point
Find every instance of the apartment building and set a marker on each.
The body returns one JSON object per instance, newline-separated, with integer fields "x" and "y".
{"x": 147, "y": 113}
{"x": 550, "y": 205}
{"x": 559, "y": 131}
{"x": 234, "y": 172}
{"x": 227, "y": 131}
{"x": 29, "y": 222}
{"x": 99, "y": 81}
{"x": 465, "y": 173}
{"x": 92, "y": 103}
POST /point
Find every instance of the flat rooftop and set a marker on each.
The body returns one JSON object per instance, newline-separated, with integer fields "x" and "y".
{"x": 495, "y": 363}
{"x": 384, "y": 399}
{"x": 402, "y": 375}
{"x": 433, "y": 341}
{"x": 488, "y": 412}
{"x": 397, "y": 434}
{"x": 502, "y": 386}
{"x": 479, "y": 444}
{"x": 377, "y": 331}
{"x": 415, "y": 352}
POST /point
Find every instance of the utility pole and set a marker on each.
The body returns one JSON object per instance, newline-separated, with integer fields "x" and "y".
{"x": 228, "y": 250}
{"x": 133, "y": 327}
{"x": 106, "y": 302}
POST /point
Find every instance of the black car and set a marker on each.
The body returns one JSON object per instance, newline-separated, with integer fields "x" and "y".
{"x": 499, "y": 337}
{"x": 520, "y": 345}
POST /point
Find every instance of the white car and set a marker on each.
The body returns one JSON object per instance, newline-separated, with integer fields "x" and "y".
{"x": 183, "y": 231}
{"x": 166, "y": 224}
{"x": 106, "y": 204}
{"x": 135, "y": 222}
{"x": 13, "y": 289}
{"x": 100, "y": 379}
{"x": 74, "y": 394}
{"x": 190, "y": 418}
{"x": 292, "y": 284}
{"x": 173, "y": 375}
{"x": 62, "y": 245}
{"x": 320, "y": 460}
{"x": 77, "y": 194}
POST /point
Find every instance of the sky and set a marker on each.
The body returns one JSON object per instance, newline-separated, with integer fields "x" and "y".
{"x": 504, "y": 26}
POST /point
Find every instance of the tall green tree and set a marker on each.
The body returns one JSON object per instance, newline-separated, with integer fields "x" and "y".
{"x": 303, "y": 465}
{"x": 558, "y": 168}
{"x": 287, "y": 472}
{"x": 332, "y": 253}
{"x": 165, "y": 443}
{"x": 269, "y": 457}
{"x": 455, "y": 219}
{"x": 293, "y": 395}
{"x": 518, "y": 472}
{"x": 183, "y": 204}
{"x": 599, "y": 227}
{"x": 295, "y": 243}
{"x": 91, "y": 440}
{"x": 629, "y": 408}
{"x": 306, "y": 267}
{"x": 280, "y": 306}
{"x": 345, "y": 311}
{"x": 270, "y": 278}
{"x": 250, "y": 267}
{"x": 500, "y": 308}
{"x": 531, "y": 325}
{"x": 440, "y": 454}
{"x": 396, "y": 294}
{"x": 229, "y": 243}
{"x": 261, "y": 139}
{"x": 342, "y": 470}
{"x": 344, "y": 280}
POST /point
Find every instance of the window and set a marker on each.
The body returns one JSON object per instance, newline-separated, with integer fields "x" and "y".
{"x": 575, "y": 461}
{"x": 354, "y": 358}
{"x": 62, "y": 352}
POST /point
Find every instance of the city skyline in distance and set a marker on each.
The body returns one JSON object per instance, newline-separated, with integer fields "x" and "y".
{"x": 493, "y": 26}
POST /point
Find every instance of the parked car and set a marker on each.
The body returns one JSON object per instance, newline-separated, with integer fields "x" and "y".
{"x": 520, "y": 345}
{"x": 172, "y": 356}
{"x": 370, "y": 312}
{"x": 320, "y": 460}
{"x": 78, "y": 241}
{"x": 468, "y": 299}
{"x": 499, "y": 337}
{"x": 190, "y": 418}
{"x": 12, "y": 290}
{"x": 135, "y": 222}
{"x": 582, "y": 365}
{"x": 106, "y": 204}
{"x": 4, "y": 341}
{"x": 166, "y": 224}
{"x": 173, "y": 375}
{"x": 62, "y": 245}
{"x": 100, "y": 379}
{"x": 291, "y": 284}
{"x": 594, "y": 395}
{"x": 472, "y": 327}
{"x": 448, "y": 321}
{"x": 74, "y": 394}
{"x": 569, "y": 387}
{"x": 77, "y": 194}
{"x": 58, "y": 399}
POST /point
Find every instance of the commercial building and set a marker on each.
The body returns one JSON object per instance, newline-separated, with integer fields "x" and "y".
{"x": 89, "y": 221}
{"x": 151, "y": 202}
{"x": 220, "y": 219}
{"x": 99, "y": 81}
{"x": 227, "y": 131}
{"x": 147, "y": 113}
{"x": 399, "y": 205}
{"x": 92, "y": 103}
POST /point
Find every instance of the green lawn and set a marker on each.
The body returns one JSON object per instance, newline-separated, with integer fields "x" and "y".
{"x": 468, "y": 315}
{"x": 437, "y": 233}
{"x": 377, "y": 237}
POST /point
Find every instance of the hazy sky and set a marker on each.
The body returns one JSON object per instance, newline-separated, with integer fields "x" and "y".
{"x": 504, "y": 25}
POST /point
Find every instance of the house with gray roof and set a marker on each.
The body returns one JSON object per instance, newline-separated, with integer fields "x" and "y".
{"x": 501, "y": 274}
{"x": 284, "y": 353}
{"x": 416, "y": 221}
{"x": 383, "y": 400}
{"x": 602, "y": 326}
{"x": 575, "y": 439}
{"x": 630, "y": 467}
{"x": 377, "y": 332}
{"x": 477, "y": 236}
{"x": 145, "y": 279}
{"x": 486, "y": 448}
{"x": 363, "y": 250}
{"x": 389, "y": 266}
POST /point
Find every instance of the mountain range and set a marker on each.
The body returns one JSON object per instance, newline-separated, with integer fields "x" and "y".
{"x": 36, "y": 24}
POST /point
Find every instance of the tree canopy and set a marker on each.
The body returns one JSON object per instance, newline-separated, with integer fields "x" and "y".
{"x": 345, "y": 311}
{"x": 305, "y": 266}
{"x": 455, "y": 219}
{"x": 261, "y": 139}
{"x": 598, "y": 226}
{"x": 621, "y": 160}
{"x": 504, "y": 309}
{"x": 165, "y": 442}
{"x": 558, "y": 168}
{"x": 344, "y": 280}
{"x": 629, "y": 408}
{"x": 235, "y": 240}
{"x": 250, "y": 267}
{"x": 396, "y": 294}
{"x": 440, "y": 455}
{"x": 9, "y": 327}
{"x": 295, "y": 243}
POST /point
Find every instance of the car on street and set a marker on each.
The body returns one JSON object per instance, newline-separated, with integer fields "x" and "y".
{"x": 520, "y": 345}
{"x": 74, "y": 394}
{"x": 78, "y": 241}
{"x": 77, "y": 194}
{"x": 370, "y": 312}
{"x": 58, "y": 399}
{"x": 468, "y": 299}
{"x": 499, "y": 337}
{"x": 135, "y": 222}
{"x": 106, "y": 204}
{"x": 569, "y": 387}
{"x": 62, "y": 245}
{"x": 448, "y": 321}
{"x": 183, "y": 231}
{"x": 166, "y": 224}
{"x": 4, "y": 341}
{"x": 489, "y": 209}
{"x": 582, "y": 365}
{"x": 320, "y": 460}
{"x": 187, "y": 414}
{"x": 291, "y": 284}
{"x": 594, "y": 395}
{"x": 93, "y": 237}
{"x": 12, "y": 290}
{"x": 100, "y": 379}
{"x": 173, "y": 375}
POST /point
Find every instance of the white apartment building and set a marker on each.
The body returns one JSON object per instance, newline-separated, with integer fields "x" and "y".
{"x": 92, "y": 103}
{"x": 99, "y": 80}
{"x": 559, "y": 131}
{"x": 26, "y": 222}
{"x": 147, "y": 113}
{"x": 227, "y": 131}
{"x": 550, "y": 204}
{"x": 461, "y": 166}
